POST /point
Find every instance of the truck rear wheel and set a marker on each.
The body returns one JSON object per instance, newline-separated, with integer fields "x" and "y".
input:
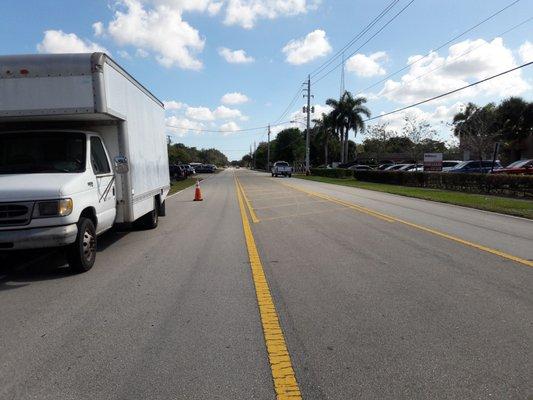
{"x": 82, "y": 253}
{"x": 150, "y": 220}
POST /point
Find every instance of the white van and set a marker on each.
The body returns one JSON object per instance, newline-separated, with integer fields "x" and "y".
{"x": 82, "y": 148}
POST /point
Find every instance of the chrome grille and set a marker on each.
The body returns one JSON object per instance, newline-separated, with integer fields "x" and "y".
{"x": 12, "y": 214}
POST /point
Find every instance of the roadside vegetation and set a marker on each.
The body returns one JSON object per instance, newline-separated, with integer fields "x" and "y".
{"x": 176, "y": 186}
{"x": 520, "y": 208}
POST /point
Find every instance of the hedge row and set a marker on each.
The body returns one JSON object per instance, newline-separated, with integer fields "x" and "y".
{"x": 332, "y": 173}
{"x": 496, "y": 184}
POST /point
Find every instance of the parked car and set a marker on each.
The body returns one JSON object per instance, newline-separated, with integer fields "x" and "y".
{"x": 521, "y": 167}
{"x": 281, "y": 168}
{"x": 76, "y": 158}
{"x": 358, "y": 167}
{"x": 475, "y": 166}
{"x": 396, "y": 167}
{"x": 205, "y": 168}
{"x": 383, "y": 167}
{"x": 189, "y": 169}
{"x": 449, "y": 164}
{"x": 413, "y": 168}
{"x": 177, "y": 172}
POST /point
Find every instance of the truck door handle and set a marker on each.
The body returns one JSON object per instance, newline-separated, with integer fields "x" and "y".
{"x": 90, "y": 184}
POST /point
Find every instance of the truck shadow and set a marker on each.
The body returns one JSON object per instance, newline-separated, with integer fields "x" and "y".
{"x": 21, "y": 268}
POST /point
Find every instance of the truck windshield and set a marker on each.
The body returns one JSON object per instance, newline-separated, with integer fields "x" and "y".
{"x": 42, "y": 152}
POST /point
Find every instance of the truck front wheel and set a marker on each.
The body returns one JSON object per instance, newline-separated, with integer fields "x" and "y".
{"x": 82, "y": 253}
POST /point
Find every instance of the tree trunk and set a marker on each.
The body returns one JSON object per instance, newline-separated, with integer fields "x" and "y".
{"x": 346, "y": 158}
{"x": 326, "y": 151}
{"x": 342, "y": 144}
{"x": 355, "y": 145}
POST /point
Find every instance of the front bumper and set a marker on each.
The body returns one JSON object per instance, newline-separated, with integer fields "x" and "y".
{"x": 38, "y": 238}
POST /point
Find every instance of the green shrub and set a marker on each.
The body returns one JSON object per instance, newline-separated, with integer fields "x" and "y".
{"x": 496, "y": 184}
{"x": 332, "y": 173}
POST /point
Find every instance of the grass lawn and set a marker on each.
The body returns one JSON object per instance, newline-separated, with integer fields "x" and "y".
{"x": 520, "y": 208}
{"x": 176, "y": 186}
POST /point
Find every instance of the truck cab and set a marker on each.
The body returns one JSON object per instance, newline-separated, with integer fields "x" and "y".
{"x": 82, "y": 148}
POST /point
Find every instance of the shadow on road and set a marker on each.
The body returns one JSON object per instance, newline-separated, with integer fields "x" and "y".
{"x": 21, "y": 268}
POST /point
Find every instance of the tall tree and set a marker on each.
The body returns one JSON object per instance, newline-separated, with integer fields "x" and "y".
{"x": 477, "y": 129}
{"x": 348, "y": 114}
{"x": 325, "y": 128}
{"x": 419, "y": 132}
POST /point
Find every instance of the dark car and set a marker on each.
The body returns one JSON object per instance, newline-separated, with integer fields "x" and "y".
{"x": 385, "y": 166}
{"x": 359, "y": 167}
{"x": 521, "y": 167}
{"x": 475, "y": 167}
{"x": 205, "y": 168}
{"x": 177, "y": 172}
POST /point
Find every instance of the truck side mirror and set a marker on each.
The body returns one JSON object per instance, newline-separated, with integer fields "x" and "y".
{"x": 121, "y": 165}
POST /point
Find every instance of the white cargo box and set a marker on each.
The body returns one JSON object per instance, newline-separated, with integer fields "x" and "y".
{"x": 91, "y": 92}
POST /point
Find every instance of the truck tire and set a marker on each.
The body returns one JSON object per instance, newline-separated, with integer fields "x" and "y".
{"x": 150, "y": 220}
{"x": 82, "y": 253}
{"x": 272, "y": 174}
{"x": 290, "y": 175}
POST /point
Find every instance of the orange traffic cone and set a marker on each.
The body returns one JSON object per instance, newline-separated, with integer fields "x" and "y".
{"x": 198, "y": 192}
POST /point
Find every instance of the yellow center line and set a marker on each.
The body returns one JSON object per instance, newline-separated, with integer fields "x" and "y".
{"x": 255, "y": 220}
{"x": 285, "y": 384}
{"x": 419, "y": 227}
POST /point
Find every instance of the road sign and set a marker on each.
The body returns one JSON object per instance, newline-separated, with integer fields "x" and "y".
{"x": 433, "y": 162}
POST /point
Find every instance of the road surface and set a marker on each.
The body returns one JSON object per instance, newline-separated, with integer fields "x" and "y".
{"x": 375, "y": 296}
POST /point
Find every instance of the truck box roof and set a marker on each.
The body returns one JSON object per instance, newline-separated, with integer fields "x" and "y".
{"x": 52, "y": 85}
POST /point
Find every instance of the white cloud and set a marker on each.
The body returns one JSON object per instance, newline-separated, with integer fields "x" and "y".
{"x": 246, "y": 12}
{"x": 199, "y": 113}
{"x": 161, "y": 30}
{"x": 229, "y": 127}
{"x": 526, "y": 52}
{"x": 98, "y": 28}
{"x": 124, "y": 54}
{"x": 234, "y": 98}
{"x": 304, "y": 50}
{"x": 223, "y": 112}
{"x": 171, "y": 105}
{"x": 235, "y": 56}
{"x": 141, "y": 53}
{"x": 219, "y": 113}
{"x": 367, "y": 66}
{"x": 210, "y": 6}
{"x": 439, "y": 117}
{"x": 180, "y": 126}
{"x": 467, "y": 61}
{"x": 57, "y": 41}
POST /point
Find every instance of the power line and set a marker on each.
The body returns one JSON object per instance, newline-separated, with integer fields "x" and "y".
{"x": 440, "y": 47}
{"x": 368, "y": 40}
{"x": 223, "y": 131}
{"x": 376, "y": 19}
{"x": 291, "y": 104}
{"x": 449, "y": 93}
{"x": 451, "y": 61}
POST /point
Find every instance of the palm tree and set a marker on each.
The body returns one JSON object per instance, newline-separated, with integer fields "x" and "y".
{"x": 326, "y": 126}
{"x": 348, "y": 113}
{"x": 335, "y": 116}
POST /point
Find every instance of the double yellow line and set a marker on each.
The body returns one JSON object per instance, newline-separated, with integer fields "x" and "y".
{"x": 285, "y": 383}
{"x": 389, "y": 218}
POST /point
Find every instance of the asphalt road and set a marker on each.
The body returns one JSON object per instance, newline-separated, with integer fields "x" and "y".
{"x": 370, "y": 307}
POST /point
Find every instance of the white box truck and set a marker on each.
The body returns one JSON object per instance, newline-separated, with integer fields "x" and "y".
{"x": 82, "y": 148}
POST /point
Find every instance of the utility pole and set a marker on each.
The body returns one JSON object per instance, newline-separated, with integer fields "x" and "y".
{"x": 268, "y": 150}
{"x": 308, "y": 111}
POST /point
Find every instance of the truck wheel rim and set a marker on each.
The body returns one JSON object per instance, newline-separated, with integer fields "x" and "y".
{"x": 89, "y": 245}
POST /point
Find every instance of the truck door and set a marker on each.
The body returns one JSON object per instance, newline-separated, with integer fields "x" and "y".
{"x": 105, "y": 185}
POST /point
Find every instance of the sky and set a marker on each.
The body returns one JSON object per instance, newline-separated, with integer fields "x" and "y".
{"x": 225, "y": 65}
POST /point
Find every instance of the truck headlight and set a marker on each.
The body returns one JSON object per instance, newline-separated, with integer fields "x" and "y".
{"x": 53, "y": 208}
